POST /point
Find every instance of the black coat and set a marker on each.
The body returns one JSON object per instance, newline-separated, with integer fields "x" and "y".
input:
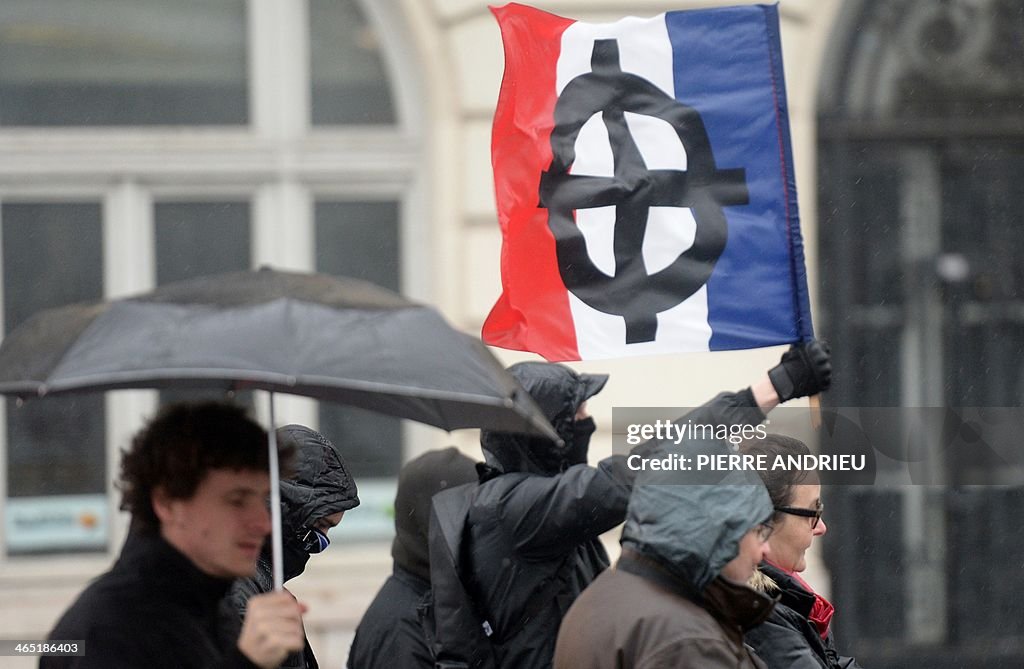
{"x": 788, "y": 639}
{"x": 535, "y": 518}
{"x": 390, "y": 634}
{"x": 153, "y": 610}
{"x": 522, "y": 528}
{"x": 537, "y": 513}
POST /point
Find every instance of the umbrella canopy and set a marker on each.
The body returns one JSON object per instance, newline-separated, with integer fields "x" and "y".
{"x": 306, "y": 334}
{"x": 334, "y": 339}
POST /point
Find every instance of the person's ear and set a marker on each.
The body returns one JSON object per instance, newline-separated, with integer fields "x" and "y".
{"x": 163, "y": 505}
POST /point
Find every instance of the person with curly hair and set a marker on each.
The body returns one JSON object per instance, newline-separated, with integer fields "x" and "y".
{"x": 195, "y": 481}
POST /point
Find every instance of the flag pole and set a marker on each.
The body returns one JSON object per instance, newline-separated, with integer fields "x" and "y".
{"x": 814, "y": 402}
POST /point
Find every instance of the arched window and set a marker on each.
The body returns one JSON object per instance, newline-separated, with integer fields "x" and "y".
{"x": 921, "y": 130}
{"x": 147, "y": 141}
{"x": 921, "y": 250}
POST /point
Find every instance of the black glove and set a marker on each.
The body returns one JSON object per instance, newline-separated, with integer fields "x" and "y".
{"x": 805, "y": 369}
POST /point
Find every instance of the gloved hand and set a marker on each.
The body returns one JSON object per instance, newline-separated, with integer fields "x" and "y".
{"x": 805, "y": 369}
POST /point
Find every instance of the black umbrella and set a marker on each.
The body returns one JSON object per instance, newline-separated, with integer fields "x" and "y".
{"x": 307, "y": 334}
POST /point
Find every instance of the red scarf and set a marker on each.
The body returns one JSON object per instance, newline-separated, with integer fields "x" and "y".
{"x": 821, "y": 611}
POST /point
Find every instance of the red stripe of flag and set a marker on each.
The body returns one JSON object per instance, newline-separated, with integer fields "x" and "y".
{"x": 520, "y": 152}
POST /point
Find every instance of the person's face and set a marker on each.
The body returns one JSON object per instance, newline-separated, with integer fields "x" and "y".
{"x": 327, "y": 522}
{"x": 753, "y": 549}
{"x": 793, "y": 534}
{"x": 222, "y": 526}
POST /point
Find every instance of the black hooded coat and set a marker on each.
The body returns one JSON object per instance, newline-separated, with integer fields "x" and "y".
{"x": 390, "y": 633}
{"x": 539, "y": 510}
{"x": 321, "y": 486}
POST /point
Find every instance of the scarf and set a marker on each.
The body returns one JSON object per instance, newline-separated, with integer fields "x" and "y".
{"x": 821, "y": 611}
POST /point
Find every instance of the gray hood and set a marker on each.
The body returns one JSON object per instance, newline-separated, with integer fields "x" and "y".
{"x": 692, "y": 522}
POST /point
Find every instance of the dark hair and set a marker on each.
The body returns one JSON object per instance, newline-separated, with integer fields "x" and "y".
{"x": 779, "y": 482}
{"x": 180, "y": 445}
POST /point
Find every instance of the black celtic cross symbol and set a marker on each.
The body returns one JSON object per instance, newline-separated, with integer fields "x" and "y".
{"x": 631, "y": 292}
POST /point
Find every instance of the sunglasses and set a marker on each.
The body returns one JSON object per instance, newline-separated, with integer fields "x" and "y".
{"x": 814, "y": 513}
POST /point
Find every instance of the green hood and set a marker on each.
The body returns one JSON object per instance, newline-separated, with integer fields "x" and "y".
{"x": 692, "y": 522}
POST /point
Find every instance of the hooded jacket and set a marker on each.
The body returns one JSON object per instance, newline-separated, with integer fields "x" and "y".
{"x": 536, "y": 516}
{"x": 320, "y": 486}
{"x": 788, "y": 639}
{"x": 390, "y": 633}
{"x": 559, "y": 392}
{"x": 539, "y": 510}
{"x": 666, "y": 604}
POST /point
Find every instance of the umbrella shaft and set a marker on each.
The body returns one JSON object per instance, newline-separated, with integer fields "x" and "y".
{"x": 275, "y": 500}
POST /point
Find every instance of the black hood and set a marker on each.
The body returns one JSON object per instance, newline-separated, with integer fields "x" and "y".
{"x": 419, "y": 480}
{"x": 558, "y": 391}
{"x": 320, "y": 486}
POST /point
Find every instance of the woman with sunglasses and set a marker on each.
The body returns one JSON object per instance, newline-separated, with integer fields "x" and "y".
{"x": 796, "y": 635}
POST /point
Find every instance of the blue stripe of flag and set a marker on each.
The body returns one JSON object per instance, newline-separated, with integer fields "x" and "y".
{"x": 728, "y": 66}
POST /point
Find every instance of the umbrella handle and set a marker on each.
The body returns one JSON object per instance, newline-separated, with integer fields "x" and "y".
{"x": 275, "y": 501}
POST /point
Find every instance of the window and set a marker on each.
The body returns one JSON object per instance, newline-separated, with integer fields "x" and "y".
{"x": 920, "y": 141}
{"x": 200, "y": 135}
{"x": 358, "y": 92}
{"x": 360, "y": 240}
{"x": 56, "y": 447}
{"x": 109, "y": 62}
{"x": 195, "y": 239}
{"x": 920, "y": 145}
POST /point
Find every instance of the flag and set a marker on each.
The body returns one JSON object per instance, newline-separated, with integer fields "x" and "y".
{"x": 644, "y": 182}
